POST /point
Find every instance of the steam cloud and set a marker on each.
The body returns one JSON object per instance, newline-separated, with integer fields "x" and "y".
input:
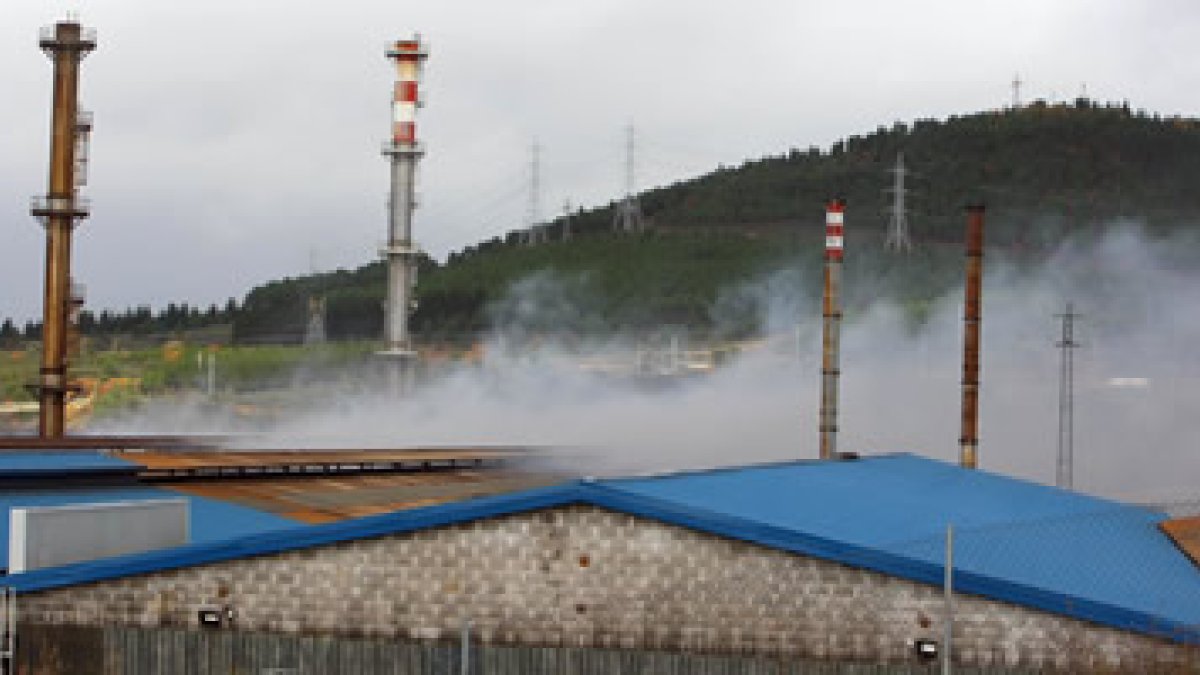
{"x": 1136, "y": 403}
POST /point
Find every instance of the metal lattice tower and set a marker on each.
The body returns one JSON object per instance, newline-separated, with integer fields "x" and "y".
{"x": 1065, "y": 477}
{"x": 1016, "y": 91}
{"x": 314, "y": 333}
{"x": 627, "y": 216}
{"x": 534, "y": 233}
{"x": 897, "y": 235}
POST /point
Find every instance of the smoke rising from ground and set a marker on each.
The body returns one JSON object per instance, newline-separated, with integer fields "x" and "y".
{"x": 1137, "y": 403}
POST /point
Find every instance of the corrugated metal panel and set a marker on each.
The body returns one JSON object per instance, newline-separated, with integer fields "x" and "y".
{"x": 1185, "y": 532}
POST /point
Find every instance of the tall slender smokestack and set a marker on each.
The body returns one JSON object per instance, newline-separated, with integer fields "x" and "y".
{"x": 66, "y": 43}
{"x": 401, "y": 253}
{"x": 972, "y": 305}
{"x": 831, "y": 333}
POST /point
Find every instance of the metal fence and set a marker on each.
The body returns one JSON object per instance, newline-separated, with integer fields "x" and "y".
{"x": 54, "y": 650}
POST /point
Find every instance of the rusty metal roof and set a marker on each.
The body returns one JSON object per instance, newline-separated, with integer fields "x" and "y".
{"x": 1185, "y": 532}
{"x": 329, "y": 499}
{"x": 311, "y": 486}
{"x": 173, "y": 464}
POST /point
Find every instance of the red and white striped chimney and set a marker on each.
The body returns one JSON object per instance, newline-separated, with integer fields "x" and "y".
{"x": 835, "y": 213}
{"x": 835, "y": 216}
{"x": 408, "y": 55}
{"x": 401, "y": 252}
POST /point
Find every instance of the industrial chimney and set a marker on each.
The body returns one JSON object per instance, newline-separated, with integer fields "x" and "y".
{"x": 66, "y": 43}
{"x": 972, "y": 304}
{"x": 400, "y": 252}
{"x": 831, "y": 333}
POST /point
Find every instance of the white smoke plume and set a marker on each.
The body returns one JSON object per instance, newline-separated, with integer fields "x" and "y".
{"x": 1137, "y": 403}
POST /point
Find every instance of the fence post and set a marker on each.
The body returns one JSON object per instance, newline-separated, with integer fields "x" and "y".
{"x": 949, "y": 590}
{"x": 8, "y": 630}
{"x": 465, "y": 652}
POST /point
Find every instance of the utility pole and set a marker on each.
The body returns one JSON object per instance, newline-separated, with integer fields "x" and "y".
{"x": 948, "y": 598}
{"x": 566, "y": 228}
{"x": 627, "y": 216}
{"x": 897, "y": 235}
{"x": 1066, "y": 400}
{"x": 66, "y": 43}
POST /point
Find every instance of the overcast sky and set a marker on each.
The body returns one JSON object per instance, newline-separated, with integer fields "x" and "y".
{"x": 238, "y": 142}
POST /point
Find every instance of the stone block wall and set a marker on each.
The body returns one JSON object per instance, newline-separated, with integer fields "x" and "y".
{"x": 580, "y": 576}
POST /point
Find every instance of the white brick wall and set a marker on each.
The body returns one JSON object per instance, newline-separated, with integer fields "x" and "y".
{"x": 582, "y": 576}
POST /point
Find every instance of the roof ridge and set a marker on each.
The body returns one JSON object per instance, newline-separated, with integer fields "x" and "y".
{"x": 682, "y": 473}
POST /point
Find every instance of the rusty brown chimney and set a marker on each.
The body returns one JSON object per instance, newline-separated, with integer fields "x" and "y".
{"x": 66, "y": 43}
{"x": 831, "y": 333}
{"x": 972, "y": 303}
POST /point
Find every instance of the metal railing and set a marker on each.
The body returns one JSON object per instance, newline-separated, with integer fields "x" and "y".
{"x": 48, "y": 37}
{"x": 392, "y": 147}
{"x": 389, "y": 47}
{"x": 41, "y": 205}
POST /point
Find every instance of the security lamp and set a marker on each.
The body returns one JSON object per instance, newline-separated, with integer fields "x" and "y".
{"x": 210, "y": 617}
{"x": 926, "y": 650}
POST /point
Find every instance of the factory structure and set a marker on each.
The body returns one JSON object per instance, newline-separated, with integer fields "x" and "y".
{"x": 831, "y": 328}
{"x": 59, "y": 211}
{"x": 401, "y": 253}
{"x": 177, "y": 554}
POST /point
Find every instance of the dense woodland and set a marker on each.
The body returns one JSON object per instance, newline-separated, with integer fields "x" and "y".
{"x": 1043, "y": 171}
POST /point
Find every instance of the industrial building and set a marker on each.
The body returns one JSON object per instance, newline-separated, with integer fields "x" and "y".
{"x": 798, "y": 562}
{"x": 472, "y": 560}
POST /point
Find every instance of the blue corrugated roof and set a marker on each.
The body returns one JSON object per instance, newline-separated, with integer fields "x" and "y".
{"x": 1018, "y": 542}
{"x": 34, "y": 463}
{"x": 209, "y": 520}
{"x": 1054, "y": 548}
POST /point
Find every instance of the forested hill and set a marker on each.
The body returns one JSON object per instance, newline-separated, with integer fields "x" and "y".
{"x": 1043, "y": 170}
{"x": 1039, "y": 168}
